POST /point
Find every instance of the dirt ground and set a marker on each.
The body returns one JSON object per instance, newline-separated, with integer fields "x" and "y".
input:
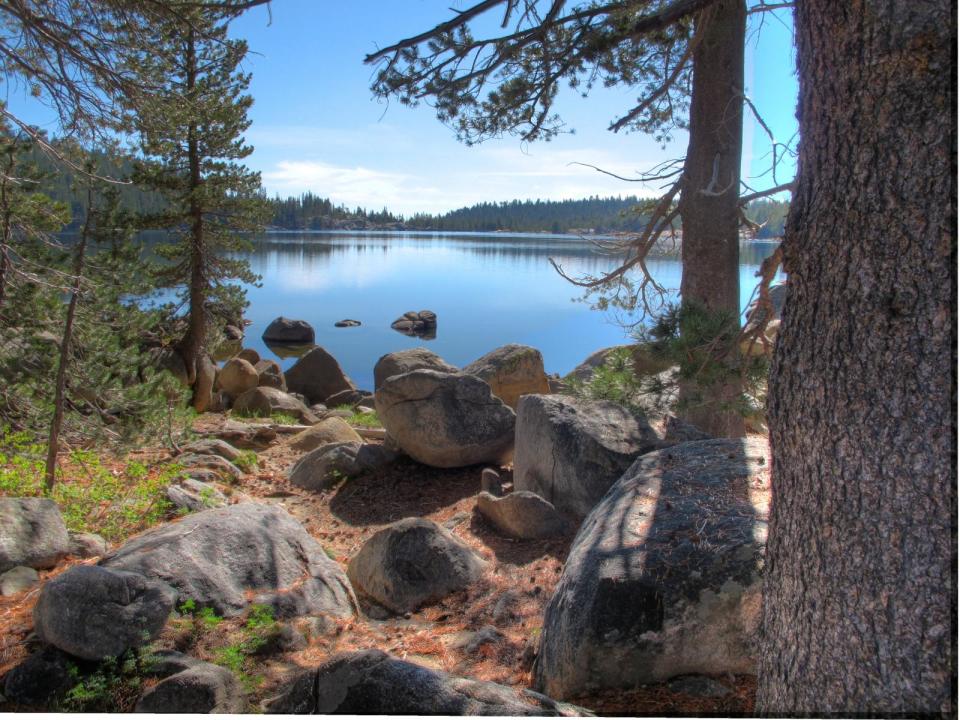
{"x": 437, "y": 636}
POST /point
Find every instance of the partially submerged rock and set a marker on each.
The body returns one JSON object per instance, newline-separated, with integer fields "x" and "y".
{"x": 285, "y": 330}
{"x": 446, "y": 419}
{"x": 371, "y": 682}
{"x": 663, "y": 578}
{"x": 522, "y": 515}
{"x": 218, "y": 557}
{"x": 511, "y": 371}
{"x": 95, "y": 613}
{"x": 32, "y": 533}
{"x": 570, "y": 450}
{"x": 411, "y": 563}
{"x": 404, "y": 361}
{"x": 317, "y": 375}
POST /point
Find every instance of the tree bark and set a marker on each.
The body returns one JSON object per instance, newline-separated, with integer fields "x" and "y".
{"x": 711, "y": 191}
{"x": 195, "y": 341}
{"x": 860, "y": 591}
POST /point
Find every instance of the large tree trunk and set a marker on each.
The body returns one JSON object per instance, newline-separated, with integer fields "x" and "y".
{"x": 195, "y": 341}
{"x": 711, "y": 191}
{"x": 860, "y": 597}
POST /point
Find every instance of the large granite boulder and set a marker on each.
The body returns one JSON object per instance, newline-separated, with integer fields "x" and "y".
{"x": 265, "y": 401}
{"x": 329, "y": 430}
{"x": 327, "y": 465}
{"x": 663, "y": 578}
{"x": 522, "y": 515}
{"x": 94, "y": 613}
{"x": 445, "y": 419}
{"x": 404, "y": 361}
{"x": 201, "y": 687}
{"x": 511, "y": 371}
{"x": 371, "y": 682}
{"x": 236, "y": 377}
{"x": 32, "y": 533}
{"x": 317, "y": 375}
{"x": 570, "y": 450}
{"x": 285, "y": 330}
{"x": 411, "y": 563}
{"x": 220, "y": 557}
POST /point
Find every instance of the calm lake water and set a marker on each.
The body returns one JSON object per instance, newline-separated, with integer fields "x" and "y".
{"x": 487, "y": 290}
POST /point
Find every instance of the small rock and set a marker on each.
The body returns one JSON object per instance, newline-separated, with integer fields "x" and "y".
{"x": 41, "y": 678}
{"x": 318, "y": 375}
{"x": 236, "y": 377}
{"x": 17, "y": 580}
{"x": 246, "y": 435}
{"x": 88, "y": 545}
{"x": 347, "y": 323}
{"x": 344, "y": 397}
{"x": 411, "y": 563}
{"x": 202, "y": 688}
{"x": 484, "y": 636}
{"x": 32, "y": 533}
{"x": 329, "y": 430}
{"x": 503, "y": 611}
{"x": 283, "y": 640}
{"x": 212, "y": 446}
{"x": 265, "y": 401}
{"x": 521, "y": 514}
{"x": 271, "y": 375}
{"x": 327, "y": 465}
{"x": 490, "y": 482}
{"x": 217, "y": 464}
{"x": 250, "y": 355}
{"x": 321, "y": 626}
{"x": 232, "y": 332}
{"x": 194, "y": 495}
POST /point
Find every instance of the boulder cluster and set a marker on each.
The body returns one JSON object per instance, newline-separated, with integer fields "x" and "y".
{"x": 662, "y": 580}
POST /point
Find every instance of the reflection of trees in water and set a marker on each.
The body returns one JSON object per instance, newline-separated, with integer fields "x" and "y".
{"x": 310, "y": 251}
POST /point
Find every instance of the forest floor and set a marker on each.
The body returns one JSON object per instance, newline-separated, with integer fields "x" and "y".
{"x": 437, "y": 636}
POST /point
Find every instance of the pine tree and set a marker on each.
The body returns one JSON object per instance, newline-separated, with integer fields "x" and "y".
{"x": 191, "y": 137}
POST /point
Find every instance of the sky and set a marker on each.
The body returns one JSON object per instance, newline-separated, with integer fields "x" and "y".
{"x": 316, "y": 126}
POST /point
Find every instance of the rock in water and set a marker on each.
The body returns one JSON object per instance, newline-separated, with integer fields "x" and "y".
{"x": 522, "y": 515}
{"x": 371, "y": 682}
{"x": 32, "y": 533}
{"x": 663, "y": 578}
{"x": 411, "y": 563}
{"x": 219, "y": 557}
{"x": 446, "y": 419}
{"x": 285, "y": 330}
{"x": 570, "y": 451}
{"x": 95, "y": 613}
{"x": 511, "y": 371}
{"x": 404, "y": 361}
{"x": 318, "y": 375}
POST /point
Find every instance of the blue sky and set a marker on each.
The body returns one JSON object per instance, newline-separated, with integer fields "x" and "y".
{"x": 316, "y": 126}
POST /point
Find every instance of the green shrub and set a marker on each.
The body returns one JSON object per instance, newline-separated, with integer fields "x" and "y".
{"x": 113, "y": 502}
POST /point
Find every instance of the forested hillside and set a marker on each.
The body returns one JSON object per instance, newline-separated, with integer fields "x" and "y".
{"x": 595, "y": 214}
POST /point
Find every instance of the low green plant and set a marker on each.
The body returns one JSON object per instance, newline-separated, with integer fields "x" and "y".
{"x": 368, "y": 419}
{"x": 247, "y": 460}
{"x": 113, "y": 502}
{"x": 260, "y": 626}
{"x": 282, "y": 418}
{"x": 113, "y": 686}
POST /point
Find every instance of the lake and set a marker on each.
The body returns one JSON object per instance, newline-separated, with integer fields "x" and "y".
{"x": 486, "y": 289}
